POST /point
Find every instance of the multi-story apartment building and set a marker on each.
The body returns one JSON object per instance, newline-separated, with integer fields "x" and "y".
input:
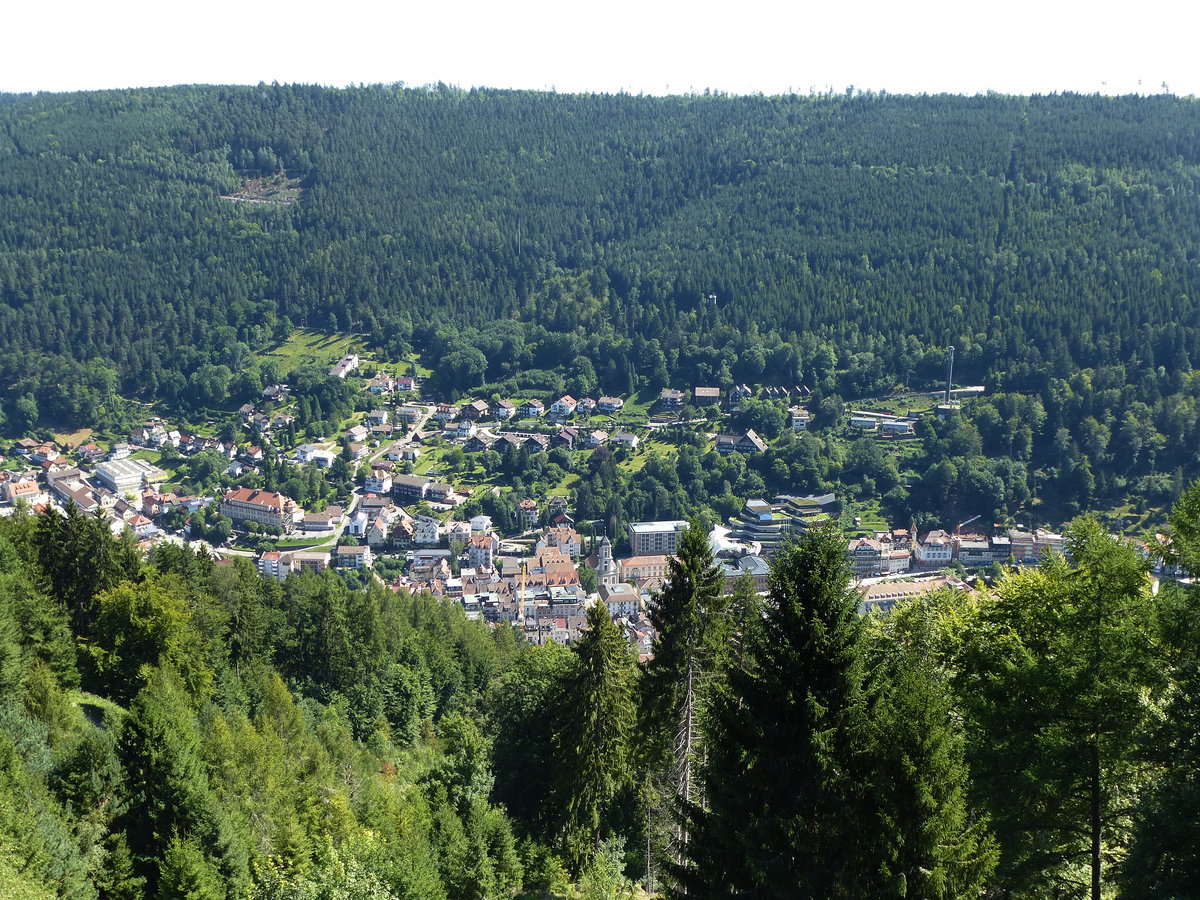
{"x": 264, "y": 507}
{"x": 655, "y": 538}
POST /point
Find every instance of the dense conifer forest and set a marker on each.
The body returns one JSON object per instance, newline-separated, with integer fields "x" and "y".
{"x": 178, "y": 727}
{"x": 154, "y": 241}
{"x": 1041, "y": 235}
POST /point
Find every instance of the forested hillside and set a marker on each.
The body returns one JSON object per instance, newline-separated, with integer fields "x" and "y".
{"x": 847, "y": 240}
{"x": 182, "y": 728}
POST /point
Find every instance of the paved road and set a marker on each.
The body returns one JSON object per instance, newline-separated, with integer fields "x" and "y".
{"x": 330, "y": 541}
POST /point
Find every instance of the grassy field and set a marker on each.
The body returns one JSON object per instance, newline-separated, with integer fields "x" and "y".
{"x": 308, "y": 347}
{"x": 638, "y": 406}
{"x": 871, "y": 519}
{"x": 73, "y": 438}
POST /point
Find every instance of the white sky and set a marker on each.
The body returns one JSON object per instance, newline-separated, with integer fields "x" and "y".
{"x": 651, "y": 46}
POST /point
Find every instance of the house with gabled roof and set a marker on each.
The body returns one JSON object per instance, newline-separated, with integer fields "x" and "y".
{"x": 408, "y": 415}
{"x": 741, "y": 443}
{"x": 669, "y": 398}
{"x": 536, "y": 443}
{"x": 90, "y": 452}
{"x": 382, "y": 383}
{"x": 532, "y": 409}
{"x": 476, "y": 409}
{"x": 566, "y": 437}
{"x": 529, "y": 510}
{"x": 482, "y": 550}
{"x": 478, "y": 443}
{"x": 564, "y": 407}
{"x": 378, "y": 531}
{"x": 353, "y": 556}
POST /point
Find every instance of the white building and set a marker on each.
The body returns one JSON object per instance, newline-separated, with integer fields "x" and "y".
{"x": 123, "y": 476}
{"x": 654, "y": 538}
{"x": 344, "y": 366}
{"x": 564, "y": 407}
{"x": 935, "y": 549}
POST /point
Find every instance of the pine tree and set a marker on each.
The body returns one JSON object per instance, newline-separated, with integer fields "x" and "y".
{"x": 692, "y": 629}
{"x": 788, "y": 745}
{"x": 930, "y": 844}
{"x": 595, "y": 741}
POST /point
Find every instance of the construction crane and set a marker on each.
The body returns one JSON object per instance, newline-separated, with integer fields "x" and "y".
{"x": 958, "y": 528}
{"x": 524, "y": 583}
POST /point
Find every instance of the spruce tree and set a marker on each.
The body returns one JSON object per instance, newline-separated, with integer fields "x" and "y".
{"x": 788, "y": 746}
{"x": 595, "y": 743}
{"x": 692, "y": 631}
{"x": 169, "y": 793}
{"x": 930, "y": 844}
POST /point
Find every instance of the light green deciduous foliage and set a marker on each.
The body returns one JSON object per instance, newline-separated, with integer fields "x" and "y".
{"x": 604, "y": 877}
{"x": 1164, "y": 858}
{"x": 141, "y": 625}
{"x": 1059, "y": 675}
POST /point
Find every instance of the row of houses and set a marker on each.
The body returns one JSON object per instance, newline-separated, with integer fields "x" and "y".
{"x": 893, "y": 552}
{"x": 384, "y": 383}
{"x": 65, "y": 485}
{"x": 672, "y": 398}
{"x": 564, "y": 407}
{"x": 568, "y": 437}
{"x": 883, "y": 423}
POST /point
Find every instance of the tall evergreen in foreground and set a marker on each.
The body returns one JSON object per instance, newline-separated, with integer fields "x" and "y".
{"x": 932, "y": 844}
{"x": 835, "y": 764}
{"x": 595, "y": 749}
{"x": 789, "y": 746}
{"x": 693, "y": 630}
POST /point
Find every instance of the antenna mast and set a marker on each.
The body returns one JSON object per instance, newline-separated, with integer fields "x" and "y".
{"x": 949, "y": 372}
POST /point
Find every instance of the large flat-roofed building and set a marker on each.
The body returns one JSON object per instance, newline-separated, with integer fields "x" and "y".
{"x": 310, "y": 561}
{"x": 263, "y": 507}
{"x": 655, "y": 538}
{"x": 122, "y": 476}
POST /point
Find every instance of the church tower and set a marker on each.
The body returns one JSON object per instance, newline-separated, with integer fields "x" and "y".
{"x": 605, "y": 566}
